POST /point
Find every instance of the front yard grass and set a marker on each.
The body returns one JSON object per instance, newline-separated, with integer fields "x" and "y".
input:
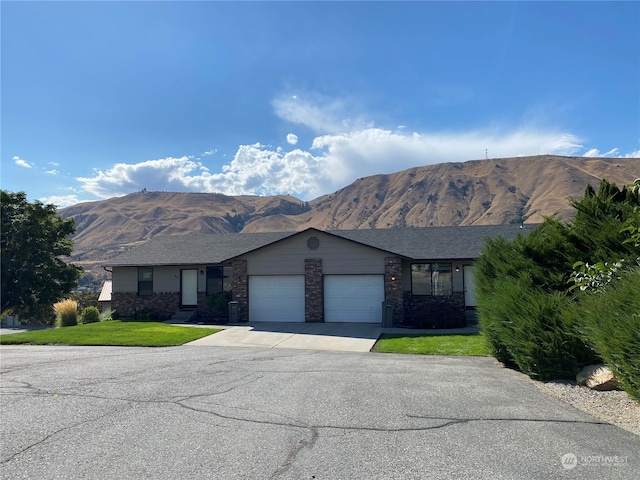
{"x": 474, "y": 345}
{"x": 115, "y": 333}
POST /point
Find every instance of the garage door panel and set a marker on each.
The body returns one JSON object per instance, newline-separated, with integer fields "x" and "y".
{"x": 353, "y": 298}
{"x": 276, "y": 298}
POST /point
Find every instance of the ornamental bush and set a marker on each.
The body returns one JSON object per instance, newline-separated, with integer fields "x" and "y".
{"x": 536, "y": 320}
{"x": 526, "y": 329}
{"x": 90, "y": 315}
{"x": 66, "y": 313}
{"x": 609, "y": 321}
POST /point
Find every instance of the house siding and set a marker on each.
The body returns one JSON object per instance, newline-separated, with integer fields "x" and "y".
{"x": 125, "y": 280}
{"x": 339, "y": 257}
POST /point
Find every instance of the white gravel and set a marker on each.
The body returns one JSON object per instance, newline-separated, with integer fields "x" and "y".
{"x": 615, "y": 406}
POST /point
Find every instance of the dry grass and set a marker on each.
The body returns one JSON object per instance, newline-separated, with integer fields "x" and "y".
{"x": 66, "y": 313}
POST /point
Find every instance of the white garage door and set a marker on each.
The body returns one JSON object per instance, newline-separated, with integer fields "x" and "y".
{"x": 276, "y": 298}
{"x": 353, "y": 298}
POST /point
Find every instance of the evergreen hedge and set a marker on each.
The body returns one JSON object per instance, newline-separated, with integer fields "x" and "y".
{"x": 531, "y": 318}
{"x": 609, "y": 322}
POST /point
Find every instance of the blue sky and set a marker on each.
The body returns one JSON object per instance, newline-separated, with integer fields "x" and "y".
{"x": 101, "y": 99}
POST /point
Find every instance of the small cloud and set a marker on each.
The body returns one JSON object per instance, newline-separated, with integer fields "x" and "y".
{"x": 210, "y": 152}
{"x": 52, "y": 172}
{"x": 54, "y": 164}
{"x": 61, "y": 201}
{"x": 22, "y": 163}
{"x": 594, "y": 152}
{"x": 613, "y": 151}
{"x": 318, "y": 113}
{"x": 292, "y": 139}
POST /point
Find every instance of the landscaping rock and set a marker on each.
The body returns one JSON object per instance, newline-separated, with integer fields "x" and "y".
{"x": 597, "y": 377}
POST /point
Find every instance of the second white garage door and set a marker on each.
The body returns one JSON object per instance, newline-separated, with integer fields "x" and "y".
{"x": 276, "y": 298}
{"x": 353, "y": 298}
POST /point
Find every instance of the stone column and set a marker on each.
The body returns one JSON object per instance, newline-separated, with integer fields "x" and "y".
{"x": 393, "y": 285}
{"x": 313, "y": 290}
{"x": 240, "y": 287}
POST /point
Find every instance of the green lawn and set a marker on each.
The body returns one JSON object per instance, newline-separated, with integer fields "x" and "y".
{"x": 129, "y": 334}
{"x": 453, "y": 345}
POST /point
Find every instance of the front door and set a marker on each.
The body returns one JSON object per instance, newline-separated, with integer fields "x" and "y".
{"x": 189, "y": 288}
{"x": 469, "y": 286}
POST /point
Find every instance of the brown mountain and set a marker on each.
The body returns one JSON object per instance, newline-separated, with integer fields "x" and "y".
{"x": 494, "y": 191}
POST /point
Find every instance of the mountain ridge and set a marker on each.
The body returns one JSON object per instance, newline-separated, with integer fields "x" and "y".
{"x": 476, "y": 192}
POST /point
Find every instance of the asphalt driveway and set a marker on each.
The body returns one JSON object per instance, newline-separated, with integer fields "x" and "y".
{"x": 256, "y": 413}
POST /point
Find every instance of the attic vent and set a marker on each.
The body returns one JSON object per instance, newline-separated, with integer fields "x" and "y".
{"x": 313, "y": 243}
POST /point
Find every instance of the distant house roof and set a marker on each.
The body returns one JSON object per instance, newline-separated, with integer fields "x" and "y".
{"x": 105, "y": 293}
{"x": 432, "y": 243}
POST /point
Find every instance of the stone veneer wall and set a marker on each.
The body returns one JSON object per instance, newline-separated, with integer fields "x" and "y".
{"x": 435, "y": 311}
{"x": 393, "y": 286}
{"x": 241, "y": 288}
{"x": 162, "y": 304}
{"x": 313, "y": 290}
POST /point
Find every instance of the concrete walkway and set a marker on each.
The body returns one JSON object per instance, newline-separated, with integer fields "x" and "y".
{"x": 346, "y": 337}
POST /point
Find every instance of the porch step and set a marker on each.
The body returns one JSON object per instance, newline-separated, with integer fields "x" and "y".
{"x": 183, "y": 316}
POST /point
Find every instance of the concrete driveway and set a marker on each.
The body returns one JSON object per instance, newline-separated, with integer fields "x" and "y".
{"x": 256, "y": 413}
{"x": 346, "y": 337}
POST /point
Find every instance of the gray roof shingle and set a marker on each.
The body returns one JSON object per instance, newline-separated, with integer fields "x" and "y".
{"x": 426, "y": 243}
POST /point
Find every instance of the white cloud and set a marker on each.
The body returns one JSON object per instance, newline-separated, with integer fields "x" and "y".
{"x": 61, "y": 201}
{"x": 334, "y": 161}
{"x": 594, "y": 152}
{"x": 167, "y": 174}
{"x": 52, "y": 172}
{"x": 22, "y": 163}
{"x": 292, "y": 139}
{"x": 613, "y": 153}
{"x": 316, "y": 112}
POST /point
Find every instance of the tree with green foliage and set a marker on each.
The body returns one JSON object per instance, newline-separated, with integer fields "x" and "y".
{"x": 524, "y": 288}
{"x": 34, "y": 242}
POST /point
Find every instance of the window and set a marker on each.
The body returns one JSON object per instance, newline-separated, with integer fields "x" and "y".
{"x": 431, "y": 279}
{"x": 218, "y": 279}
{"x": 145, "y": 282}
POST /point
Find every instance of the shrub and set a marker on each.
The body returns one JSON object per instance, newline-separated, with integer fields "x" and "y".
{"x": 90, "y": 315}
{"x": 66, "y": 313}
{"x": 218, "y": 303}
{"x": 108, "y": 315}
{"x": 610, "y": 323}
{"x": 525, "y": 327}
{"x": 145, "y": 315}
